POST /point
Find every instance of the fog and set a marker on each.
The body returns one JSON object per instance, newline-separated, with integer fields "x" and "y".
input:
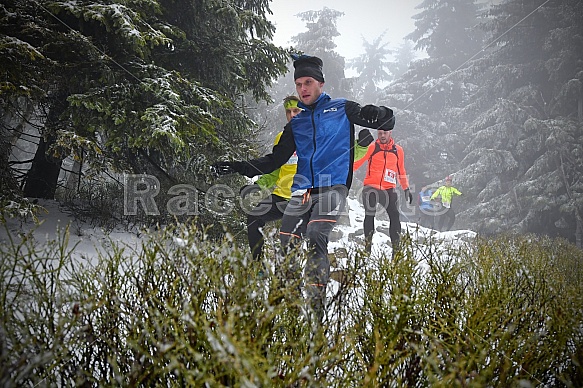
{"x": 366, "y": 19}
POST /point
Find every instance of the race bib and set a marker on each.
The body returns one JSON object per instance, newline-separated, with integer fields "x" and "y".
{"x": 425, "y": 198}
{"x": 293, "y": 159}
{"x": 390, "y": 176}
{"x": 446, "y": 204}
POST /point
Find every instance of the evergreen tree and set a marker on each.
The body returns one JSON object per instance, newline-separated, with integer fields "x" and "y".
{"x": 372, "y": 69}
{"x": 404, "y": 55}
{"x": 446, "y": 30}
{"x": 509, "y": 124}
{"x": 318, "y": 40}
{"x": 139, "y": 86}
{"x": 535, "y": 123}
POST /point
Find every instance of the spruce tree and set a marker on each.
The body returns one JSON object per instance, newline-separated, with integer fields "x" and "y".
{"x": 508, "y": 122}
{"x": 372, "y": 68}
{"x": 404, "y": 55}
{"x": 534, "y": 124}
{"x": 137, "y": 86}
{"x": 446, "y": 30}
{"x": 318, "y": 40}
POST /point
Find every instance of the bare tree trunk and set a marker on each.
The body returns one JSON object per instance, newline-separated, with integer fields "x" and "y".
{"x": 41, "y": 180}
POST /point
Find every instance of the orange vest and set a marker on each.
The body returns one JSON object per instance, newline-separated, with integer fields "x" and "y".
{"x": 386, "y": 166}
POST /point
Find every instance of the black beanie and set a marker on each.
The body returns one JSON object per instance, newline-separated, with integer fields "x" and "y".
{"x": 307, "y": 66}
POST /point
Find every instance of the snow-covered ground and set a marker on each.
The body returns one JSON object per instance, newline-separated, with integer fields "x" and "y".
{"x": 351, "y": 235}
{"x": 86, "y": 240}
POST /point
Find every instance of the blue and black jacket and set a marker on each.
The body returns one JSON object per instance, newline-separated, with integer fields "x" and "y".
{"x": 323, "y": 137}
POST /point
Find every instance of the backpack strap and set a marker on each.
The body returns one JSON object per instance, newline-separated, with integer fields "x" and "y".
{"x": 394, "y": 150}
{"x": 377, "y": 149}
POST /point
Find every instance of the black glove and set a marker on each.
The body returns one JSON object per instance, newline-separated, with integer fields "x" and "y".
{"x": 226, "y": 168}
{"x": 370, "y": 113}
{"x": 365, "y": 138}
{"x": 249, "y": 189}
{"x": 409, "y": 196}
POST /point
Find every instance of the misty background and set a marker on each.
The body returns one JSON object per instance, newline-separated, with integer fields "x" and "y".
{"x": 488, "y": 92}
{"x": 474, "y": 97}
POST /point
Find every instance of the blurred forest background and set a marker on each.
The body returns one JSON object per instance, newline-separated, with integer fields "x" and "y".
{"x": 490, "y": 94}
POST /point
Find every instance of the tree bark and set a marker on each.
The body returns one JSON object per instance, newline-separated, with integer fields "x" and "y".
{"x": 41, "y": 180}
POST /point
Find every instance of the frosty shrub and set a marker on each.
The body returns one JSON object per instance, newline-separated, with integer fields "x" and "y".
{"x": 14, "y": 206}
{"x": 102, "y": 201}
{"x": 186, "y": 310}
{"x": 99, "y": 202}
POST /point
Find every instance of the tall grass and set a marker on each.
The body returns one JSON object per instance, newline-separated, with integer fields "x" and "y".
{"x": 185, "y": 310}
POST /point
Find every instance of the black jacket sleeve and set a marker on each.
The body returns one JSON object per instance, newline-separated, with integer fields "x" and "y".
{"x": 386, "y": 119}
{"x": 280, "y": 154}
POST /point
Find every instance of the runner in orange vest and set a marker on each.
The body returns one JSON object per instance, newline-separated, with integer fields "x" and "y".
{"x": 386, "y": 167}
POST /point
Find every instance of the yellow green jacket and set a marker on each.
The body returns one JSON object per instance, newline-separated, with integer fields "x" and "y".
{"x": 446, "y": 194}
{"x": 282, "y": 178}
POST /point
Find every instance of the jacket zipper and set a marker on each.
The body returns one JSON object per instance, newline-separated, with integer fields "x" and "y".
{"x": 314, "y": 152}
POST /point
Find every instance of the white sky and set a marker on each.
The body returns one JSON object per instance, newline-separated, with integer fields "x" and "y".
{"x": 362, "y": 18}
